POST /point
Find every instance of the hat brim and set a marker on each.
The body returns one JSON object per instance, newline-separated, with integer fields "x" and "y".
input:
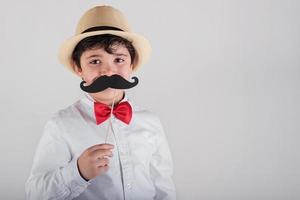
{"x": 140, "y": 43}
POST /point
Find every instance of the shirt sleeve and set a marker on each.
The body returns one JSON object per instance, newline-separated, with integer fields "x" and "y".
{"x": 161, "y": 168}
{"x": 54, "y": 173}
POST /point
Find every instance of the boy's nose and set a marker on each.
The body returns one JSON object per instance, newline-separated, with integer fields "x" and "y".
{"x": 108, "y": 71}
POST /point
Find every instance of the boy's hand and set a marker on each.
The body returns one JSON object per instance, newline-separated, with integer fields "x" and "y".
{"x": 93, "y": 161}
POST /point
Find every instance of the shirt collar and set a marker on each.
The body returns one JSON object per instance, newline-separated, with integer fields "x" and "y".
{"x": 90, "y": 100}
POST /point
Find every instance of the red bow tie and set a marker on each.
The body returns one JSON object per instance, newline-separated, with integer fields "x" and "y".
{"x": 122, "y": 111}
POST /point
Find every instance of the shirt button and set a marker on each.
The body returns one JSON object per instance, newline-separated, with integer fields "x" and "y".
{"x": 128, "y": 185}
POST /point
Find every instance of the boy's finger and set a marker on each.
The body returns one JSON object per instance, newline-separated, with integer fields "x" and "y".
{"x": 100, "y": 146}
{"x": 100, "y": 153}
{"x": 102, "y": 162}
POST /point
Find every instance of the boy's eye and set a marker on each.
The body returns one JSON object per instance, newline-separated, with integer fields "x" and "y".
{"x": 119, "y": 60}
{"x": 95, "y": 62}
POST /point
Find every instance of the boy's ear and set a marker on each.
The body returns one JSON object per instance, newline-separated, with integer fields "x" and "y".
{"x": 77, "y": 70}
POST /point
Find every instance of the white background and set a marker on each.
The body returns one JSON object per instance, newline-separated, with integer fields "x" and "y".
{"x": 224, "y": 77}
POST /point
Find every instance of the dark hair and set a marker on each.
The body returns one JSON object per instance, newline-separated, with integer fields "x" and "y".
{"x": 106, "y": 41}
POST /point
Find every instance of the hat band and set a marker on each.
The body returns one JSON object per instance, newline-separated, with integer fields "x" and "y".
{"x": 102, "y": 28}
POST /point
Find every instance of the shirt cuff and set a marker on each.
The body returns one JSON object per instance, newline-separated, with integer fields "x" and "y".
{"x": 73, "y": 179}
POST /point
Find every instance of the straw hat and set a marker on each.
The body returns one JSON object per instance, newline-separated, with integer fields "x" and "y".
{"x": 104, "y": 20}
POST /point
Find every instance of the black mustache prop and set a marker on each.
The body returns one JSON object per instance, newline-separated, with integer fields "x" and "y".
{"x": 103, "y": 82}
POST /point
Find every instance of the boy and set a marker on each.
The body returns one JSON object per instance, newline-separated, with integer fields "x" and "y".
{"x": 103, "y": 146}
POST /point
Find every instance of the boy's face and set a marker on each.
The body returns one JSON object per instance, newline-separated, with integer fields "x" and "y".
{"x": 97, "y": 62}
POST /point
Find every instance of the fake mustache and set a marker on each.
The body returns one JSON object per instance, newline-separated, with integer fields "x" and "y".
{"x": 103, "y": 82}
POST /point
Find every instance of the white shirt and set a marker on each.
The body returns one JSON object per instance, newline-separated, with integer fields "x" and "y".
{"x": 141, "y": 166}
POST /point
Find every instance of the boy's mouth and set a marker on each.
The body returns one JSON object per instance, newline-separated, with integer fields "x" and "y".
{"x": 103, "y": 82}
